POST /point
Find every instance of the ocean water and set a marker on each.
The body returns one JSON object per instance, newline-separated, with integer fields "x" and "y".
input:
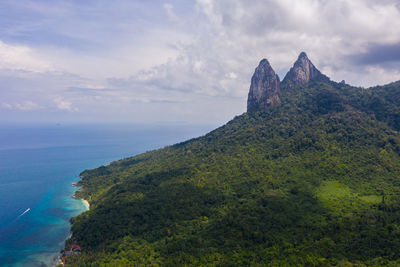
{"x": 38, "y": 163}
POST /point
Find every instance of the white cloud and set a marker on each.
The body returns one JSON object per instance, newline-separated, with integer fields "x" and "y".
{"x": 6, "y": 106}
{"x": 22, "y": 106}
{"x": 169, "y": 9}
{"x": 65, "y": 105}
{"x": 18, "y": 57}
{"x": 231, "y": 75}
{"x": 28, "y": 106}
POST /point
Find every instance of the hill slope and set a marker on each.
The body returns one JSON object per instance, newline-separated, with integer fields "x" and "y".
{"x": 313, "y": 180}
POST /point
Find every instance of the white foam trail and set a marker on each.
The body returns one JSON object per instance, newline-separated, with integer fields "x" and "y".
{"x": 28, "y": 209}
{"x": 22, "y": 214}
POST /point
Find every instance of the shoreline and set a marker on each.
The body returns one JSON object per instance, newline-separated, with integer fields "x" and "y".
{"x": 81, "y": 199}
{"x": 86, "y": 203}
{"x": 58, "y": 259}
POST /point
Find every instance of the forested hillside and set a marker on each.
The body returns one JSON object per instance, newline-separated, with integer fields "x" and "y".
{"x": 312, "y": 180}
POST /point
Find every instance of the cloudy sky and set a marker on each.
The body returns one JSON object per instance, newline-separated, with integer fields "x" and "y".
{"x": 178, "y": 60}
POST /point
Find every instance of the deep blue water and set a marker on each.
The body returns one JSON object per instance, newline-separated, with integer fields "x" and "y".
{"x": 38, "y": 165}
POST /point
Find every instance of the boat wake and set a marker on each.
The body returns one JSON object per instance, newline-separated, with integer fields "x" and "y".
{"x": 22, "y": 214}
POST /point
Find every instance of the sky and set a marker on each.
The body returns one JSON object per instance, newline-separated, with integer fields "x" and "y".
{"x": 182, "y": 61}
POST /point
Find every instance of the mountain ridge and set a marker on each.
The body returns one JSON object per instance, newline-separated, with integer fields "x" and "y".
{"x": 265, "y": 87}
{"x": 303, "y": 71}
{"x": 310, "y": 181}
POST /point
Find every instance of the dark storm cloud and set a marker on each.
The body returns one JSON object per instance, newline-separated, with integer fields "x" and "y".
{"x": 379, "y": 54}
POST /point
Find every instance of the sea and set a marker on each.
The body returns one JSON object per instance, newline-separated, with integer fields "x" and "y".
{"x": 39, "y": 163}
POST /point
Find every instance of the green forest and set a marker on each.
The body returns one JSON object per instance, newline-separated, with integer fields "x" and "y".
{"x": 313, "y": 181}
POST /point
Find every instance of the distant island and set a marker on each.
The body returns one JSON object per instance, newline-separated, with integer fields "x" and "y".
{"x": 308, "y": 176}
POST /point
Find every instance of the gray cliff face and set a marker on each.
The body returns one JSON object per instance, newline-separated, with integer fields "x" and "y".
{"x": 264, "y": 89}
{"x": 302, "y": 71}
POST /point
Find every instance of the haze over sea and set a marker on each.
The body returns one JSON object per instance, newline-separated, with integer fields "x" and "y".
{"x": 38, "y": 163}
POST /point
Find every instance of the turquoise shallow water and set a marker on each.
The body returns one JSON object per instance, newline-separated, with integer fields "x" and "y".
{"x": 38, "y": 165}
{"x": 46, "y": 228}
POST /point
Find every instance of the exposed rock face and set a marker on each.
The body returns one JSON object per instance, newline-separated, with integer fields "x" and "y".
{"x": 265, "y": 85}
{"x": 302, "y": 71}
{"x": 264, "y": 89}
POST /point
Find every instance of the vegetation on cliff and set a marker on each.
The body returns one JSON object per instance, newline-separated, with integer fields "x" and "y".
{"x": 311, "y": 181}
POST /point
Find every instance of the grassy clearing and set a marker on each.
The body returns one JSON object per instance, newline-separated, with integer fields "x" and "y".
{"x": 340, "y": 198}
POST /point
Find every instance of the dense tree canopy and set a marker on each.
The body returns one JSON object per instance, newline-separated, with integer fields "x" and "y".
{"x": 313, "y": 181}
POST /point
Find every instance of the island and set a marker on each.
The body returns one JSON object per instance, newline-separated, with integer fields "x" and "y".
{"x": 308, "y": 176}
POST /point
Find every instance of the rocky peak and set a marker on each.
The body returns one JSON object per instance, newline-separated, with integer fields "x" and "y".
{"x": 264, "y": 89}
{"x": 302, "y": 71}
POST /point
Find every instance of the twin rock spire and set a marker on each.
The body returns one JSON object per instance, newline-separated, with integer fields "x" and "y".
{"x": 265, "y": 84}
